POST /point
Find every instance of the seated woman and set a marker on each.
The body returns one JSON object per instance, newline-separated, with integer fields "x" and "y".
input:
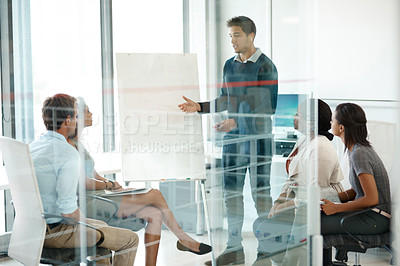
{"x": 303, "y": 157}
{"x": 368, "y": 178}
{"x": 150, "y": 206}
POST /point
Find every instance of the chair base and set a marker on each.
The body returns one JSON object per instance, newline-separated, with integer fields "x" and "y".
{"x": 341, "y": 253}
{"x": 71, "y": 256}
{"x": 339, "y": 263}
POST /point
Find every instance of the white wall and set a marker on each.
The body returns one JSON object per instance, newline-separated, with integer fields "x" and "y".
{"x": 358, "y": 56}
{"x": 293, "y": 44}
{"x": 358, "y": 49}
{"x": 258, "y": 10}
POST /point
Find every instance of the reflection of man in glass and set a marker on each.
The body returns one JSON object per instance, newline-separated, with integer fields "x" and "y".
{"x": 249, "y": 93}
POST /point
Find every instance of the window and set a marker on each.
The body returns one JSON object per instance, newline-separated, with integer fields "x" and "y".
{"x": 66, "y": 56}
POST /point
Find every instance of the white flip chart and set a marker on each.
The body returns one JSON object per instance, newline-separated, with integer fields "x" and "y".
{"x": 158, "y": 141}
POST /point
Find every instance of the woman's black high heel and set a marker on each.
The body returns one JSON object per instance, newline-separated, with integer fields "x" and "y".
{"x": 203, "y": 249}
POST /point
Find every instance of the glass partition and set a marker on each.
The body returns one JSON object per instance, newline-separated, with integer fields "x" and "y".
{"x": 250, "y": 159}
{"x": 237, "y": 169}
{"x": 231, "y": 197}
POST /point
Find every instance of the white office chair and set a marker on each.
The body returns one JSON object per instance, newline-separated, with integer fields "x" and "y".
{"x": 29, "y": 228}
{"x": 382, "y": 136}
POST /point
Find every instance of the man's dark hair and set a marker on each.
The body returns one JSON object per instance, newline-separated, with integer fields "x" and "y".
{"x": 352, "y": 117}
{"x": 56, "y": 109}
{"x": 243, "y": 22}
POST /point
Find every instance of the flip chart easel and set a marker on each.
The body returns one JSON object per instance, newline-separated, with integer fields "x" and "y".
{"x": 158, "y": 141}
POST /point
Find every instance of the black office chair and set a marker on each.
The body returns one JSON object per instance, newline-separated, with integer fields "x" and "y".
{"x": 72, "y": 256}
{"x": 356, "y": 243}
{"x": 106, "y": 210}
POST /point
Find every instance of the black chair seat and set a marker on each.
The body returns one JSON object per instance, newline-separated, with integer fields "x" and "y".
{"x": 346, "y": 243}
{"x": 369, "y": 241}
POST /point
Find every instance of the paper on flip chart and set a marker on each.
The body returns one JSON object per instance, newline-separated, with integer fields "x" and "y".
{"x": 158, "y": 141}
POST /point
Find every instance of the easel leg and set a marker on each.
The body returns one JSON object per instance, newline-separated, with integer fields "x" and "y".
{"x": 199, "y": 209}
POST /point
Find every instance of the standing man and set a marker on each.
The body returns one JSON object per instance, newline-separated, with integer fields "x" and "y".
{"x": 249, "y": 93}
{"x": 57, "y": 167}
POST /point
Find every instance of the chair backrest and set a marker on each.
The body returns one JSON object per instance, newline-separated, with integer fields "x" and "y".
{"x": 382, "y": 136}
{"x": 29, "y": 228}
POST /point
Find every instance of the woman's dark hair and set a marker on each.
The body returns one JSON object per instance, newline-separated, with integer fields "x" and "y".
{"x": 324, "y": 115}
{"x": 56, "y": 110}
{"x": 324, "y": 119}
{"x": 352, "y": 117}
{"x": 81, "y": 110}
{"x": 243, "y": 22}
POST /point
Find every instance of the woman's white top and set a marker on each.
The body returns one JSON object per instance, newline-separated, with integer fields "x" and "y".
{"x": 316, "y": 161}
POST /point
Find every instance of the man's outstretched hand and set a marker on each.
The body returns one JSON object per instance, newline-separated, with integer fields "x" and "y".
{"x": 189, "y": 106}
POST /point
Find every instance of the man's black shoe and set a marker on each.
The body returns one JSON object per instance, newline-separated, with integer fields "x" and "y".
{"x": 341, "y": 255}
{"x": 231, "y": 256}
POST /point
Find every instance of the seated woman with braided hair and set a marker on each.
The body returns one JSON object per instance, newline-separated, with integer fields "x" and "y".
{"x": 369, "y": 181}
{"x": 150, "y": 206}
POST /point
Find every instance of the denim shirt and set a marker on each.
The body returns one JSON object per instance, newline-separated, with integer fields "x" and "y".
{"x": 57, "y": 168}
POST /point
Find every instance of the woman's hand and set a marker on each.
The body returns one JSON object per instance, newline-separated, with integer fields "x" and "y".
{"x": 329, "y": 207}
{"x": 116, "y": 185}
{"x": 272, "y": 211}
{"x": 113, "y": 185}
{"x": 277, "y": 208}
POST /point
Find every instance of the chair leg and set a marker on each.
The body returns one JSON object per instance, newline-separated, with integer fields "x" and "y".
{"x": 357, "y": 259}
{"x": 389, "y": 248}
{"x": 327, "y": 257}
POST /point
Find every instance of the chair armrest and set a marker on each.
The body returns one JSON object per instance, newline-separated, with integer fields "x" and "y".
{"x": 131, "y": 223}
{"x": 342, "y": 221}
{"x": 361, "y": 211}
{"x": 107, "y": 201}
{"x": 74, "y": 222}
